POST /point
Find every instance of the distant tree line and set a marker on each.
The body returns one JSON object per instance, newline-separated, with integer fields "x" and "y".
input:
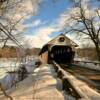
{"x": 13, "y": 52}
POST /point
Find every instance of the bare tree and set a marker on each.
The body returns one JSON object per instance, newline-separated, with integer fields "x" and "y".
{"x": 9, "y": 9}
{"x": 89, "y": 26}
{"x": 10, "y": 30}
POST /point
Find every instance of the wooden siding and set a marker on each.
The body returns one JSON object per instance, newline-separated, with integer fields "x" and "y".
{"x": 44, "y": 57}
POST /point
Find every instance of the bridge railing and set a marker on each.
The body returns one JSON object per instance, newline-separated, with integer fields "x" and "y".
{"x": 68, "y": 83}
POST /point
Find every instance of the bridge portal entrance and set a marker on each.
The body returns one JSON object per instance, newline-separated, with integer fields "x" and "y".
{"x": 61, "y": 54}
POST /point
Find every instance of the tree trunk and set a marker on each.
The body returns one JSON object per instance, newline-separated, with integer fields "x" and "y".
{"x": 98, "y": 51}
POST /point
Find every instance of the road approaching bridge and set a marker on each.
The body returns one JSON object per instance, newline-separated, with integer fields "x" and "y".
{"x": 39, "y": 85}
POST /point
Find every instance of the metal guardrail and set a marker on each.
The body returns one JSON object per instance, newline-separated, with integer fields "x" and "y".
{"x": 67, "y": 82}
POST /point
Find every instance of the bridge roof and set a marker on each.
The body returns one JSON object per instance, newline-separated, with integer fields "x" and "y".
{"x": 63, "y": 35}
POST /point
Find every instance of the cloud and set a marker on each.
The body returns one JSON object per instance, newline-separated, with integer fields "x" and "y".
{"x": 35, "y": 23}
{"x": 42, "y": 34}
{"x": 40, "y": 38}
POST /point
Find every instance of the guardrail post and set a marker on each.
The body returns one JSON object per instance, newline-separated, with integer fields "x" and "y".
{"x": 56, "y": 68}
{"x": 65, "y": 85}
{"x": 60, "y": 74}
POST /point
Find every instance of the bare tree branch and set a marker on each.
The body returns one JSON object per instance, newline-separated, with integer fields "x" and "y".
{"x": 86, "y": 25}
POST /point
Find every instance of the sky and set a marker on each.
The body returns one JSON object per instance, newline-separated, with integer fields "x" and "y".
{"x": 49, "y": 21}
{"x": 42, "y": 27}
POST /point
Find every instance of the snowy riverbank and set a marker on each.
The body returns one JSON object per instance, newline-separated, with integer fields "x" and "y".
{"x": 8, "y": 68}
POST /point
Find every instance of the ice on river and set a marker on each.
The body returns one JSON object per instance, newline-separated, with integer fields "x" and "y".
{"x": 7, "y": 65}
{"x": 7, "y": 79}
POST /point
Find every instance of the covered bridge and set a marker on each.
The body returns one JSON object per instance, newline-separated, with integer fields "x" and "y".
{"x": 60, "y": 49}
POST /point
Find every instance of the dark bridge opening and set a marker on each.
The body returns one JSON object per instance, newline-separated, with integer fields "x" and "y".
{"x": 62, "y": 54}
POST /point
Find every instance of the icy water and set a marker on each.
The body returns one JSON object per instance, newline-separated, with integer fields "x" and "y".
{"x": 7, "y": 65}
{"x": 12, "y": 64}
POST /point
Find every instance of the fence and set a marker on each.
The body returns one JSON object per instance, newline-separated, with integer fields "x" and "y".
{"x": 68, "y": 83}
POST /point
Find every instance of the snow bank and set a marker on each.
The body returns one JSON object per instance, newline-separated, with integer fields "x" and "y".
{"x": 9, "y": 79}
{"x": 90, "y": 65}
{"x": 87, "y": 63}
